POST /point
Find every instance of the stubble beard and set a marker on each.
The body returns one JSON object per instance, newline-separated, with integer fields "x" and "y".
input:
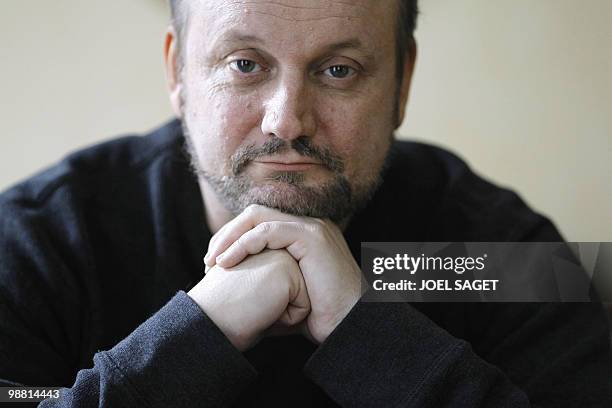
{"x": 286, "y": 191}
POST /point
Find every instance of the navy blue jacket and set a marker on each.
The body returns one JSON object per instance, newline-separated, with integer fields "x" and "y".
{"x": 96, "y": 254}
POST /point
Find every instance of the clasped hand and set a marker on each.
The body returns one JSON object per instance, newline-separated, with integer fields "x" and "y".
{"x": 268, "y": 271}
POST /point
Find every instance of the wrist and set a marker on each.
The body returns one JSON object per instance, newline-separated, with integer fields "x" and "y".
{"x": 331, "y": 322}
{"x": 206, "y": 302}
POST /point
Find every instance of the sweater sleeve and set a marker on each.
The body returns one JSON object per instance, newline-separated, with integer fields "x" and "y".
{"x": 178, "y": 357}
{"x": 507, "y": 354}
{"x": 390, "y": 354}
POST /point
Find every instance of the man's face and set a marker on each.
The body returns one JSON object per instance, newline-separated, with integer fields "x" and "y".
{"x": 290, "y": 104}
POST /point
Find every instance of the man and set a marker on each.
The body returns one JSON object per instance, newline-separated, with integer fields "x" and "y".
{"x": 287, "y": 110}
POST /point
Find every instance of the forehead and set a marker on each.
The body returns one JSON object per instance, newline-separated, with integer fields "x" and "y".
{"x": 294, "y": 24}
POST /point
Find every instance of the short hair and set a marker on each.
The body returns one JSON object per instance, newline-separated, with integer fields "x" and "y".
{"x": 406, "y": 24}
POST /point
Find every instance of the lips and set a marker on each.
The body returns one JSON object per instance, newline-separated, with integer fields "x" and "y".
{"x": 287, "y": 165}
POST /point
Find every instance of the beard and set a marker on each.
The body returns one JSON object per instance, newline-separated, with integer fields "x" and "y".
{"x": 287, "y": 191}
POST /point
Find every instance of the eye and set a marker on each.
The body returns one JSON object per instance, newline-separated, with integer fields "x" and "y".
{"x": 339, "y": 71}
{"x": 245, "y": 66}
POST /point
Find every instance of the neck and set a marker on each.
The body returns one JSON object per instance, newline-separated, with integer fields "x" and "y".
{"x": 216, "y": 213}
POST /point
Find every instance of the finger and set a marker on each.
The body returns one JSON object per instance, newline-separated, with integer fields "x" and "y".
{"x": 207, "y": 259}
{"x": 293, "y": 315}
{"x": 215, "y": 237}
{"x": 273, "y": 235}
{"x": 245, "y": 221}
{"x": 299, "y": 302}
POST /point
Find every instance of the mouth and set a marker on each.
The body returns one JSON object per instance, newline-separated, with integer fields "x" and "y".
{"x": 287, "y": 165}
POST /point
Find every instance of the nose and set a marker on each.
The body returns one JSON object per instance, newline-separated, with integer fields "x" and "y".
{"x": 288, "y": 113}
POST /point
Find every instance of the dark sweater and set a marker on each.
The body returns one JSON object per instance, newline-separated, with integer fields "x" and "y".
{"x": 96, "y": 253}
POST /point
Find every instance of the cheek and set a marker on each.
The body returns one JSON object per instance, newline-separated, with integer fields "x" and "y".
{"x": 359, "y": 129}
{"x": 219, "y": 121}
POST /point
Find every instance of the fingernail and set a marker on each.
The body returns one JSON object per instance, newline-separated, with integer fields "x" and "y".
{"x": 206, "y": 257}
{"x": 219, "y": 258}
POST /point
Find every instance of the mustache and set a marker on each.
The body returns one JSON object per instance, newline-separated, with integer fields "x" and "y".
{"x": 302, "y": 145}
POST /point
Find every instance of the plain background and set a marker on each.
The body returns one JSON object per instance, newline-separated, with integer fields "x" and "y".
{"x": 521, "y": 89}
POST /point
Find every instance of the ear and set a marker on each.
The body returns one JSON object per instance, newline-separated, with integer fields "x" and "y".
{"x": 173, "y": 79}
{"x": 411, "y": 55}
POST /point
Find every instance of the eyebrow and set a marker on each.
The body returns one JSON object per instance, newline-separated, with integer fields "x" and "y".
{"x": 234, "y": 36}
{"x": 352, "y": 43}
{"x": 366, "y": 53}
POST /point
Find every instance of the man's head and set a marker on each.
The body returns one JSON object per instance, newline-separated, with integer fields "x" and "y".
{"x": 290, "y": 104}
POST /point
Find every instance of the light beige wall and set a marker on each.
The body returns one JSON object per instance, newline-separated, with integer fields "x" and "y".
{"x": 523, "y": 89}
{"x": 75, "y": 72}
{"x": 520, "y": 88}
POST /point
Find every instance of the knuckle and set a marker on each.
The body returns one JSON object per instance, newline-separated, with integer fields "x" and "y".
{"x": 242, "y": 241}
{"x": 249, "y": 211}
{"x": 264, "y": 228}
{"x": 285, "y": 259}
{"x": 315, "y": 228}
{"x": 253, "y": 209}
{"x": 320, "y": 221}
{"x": 213, "y": 239}
{"x": 282, "y": 255}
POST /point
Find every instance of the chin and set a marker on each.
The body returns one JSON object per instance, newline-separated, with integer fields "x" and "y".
{"x": 331, "y": 200}
{"x": 277, "y": 193}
